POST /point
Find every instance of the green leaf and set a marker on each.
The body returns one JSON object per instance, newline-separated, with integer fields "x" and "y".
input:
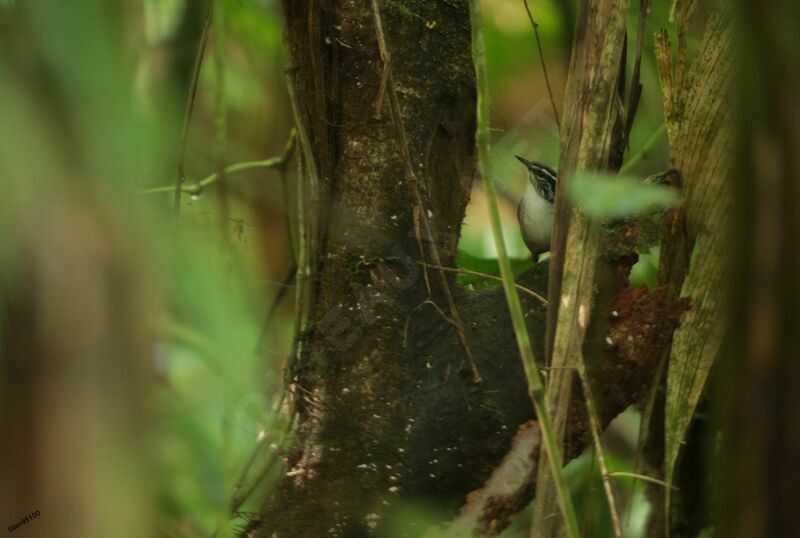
{"x": 605, "y": 196}
{"x": 645, "y": 271}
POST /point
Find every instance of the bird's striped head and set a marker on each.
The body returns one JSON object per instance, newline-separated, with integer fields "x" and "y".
{"x": 542, "y": 178}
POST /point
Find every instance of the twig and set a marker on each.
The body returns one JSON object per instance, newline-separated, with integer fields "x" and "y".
{"x": 288, "y": 222}
{"x": 666, "y": 76}
{"x": 412, "y": 182}
{"x": 462, "y": 271}
{"x": 236, "y": 502}
{"x": 642, "y": 153}
{"x": 594, "y": 426}
{"x": 643, "y": 477}
{"x": 381, "y": 91}
{"x": 535, "y": 386}
{"x": 237, "y": 485}
{"x": 439, "y": 310}
{"x": 187, "y": 115}
{"x": 307, "y": 226}
{"x": 220, "y": 117}
{"x": 274, "y": 162}
{"x": 544, "y": 66}
{"x": 284, "y": 287}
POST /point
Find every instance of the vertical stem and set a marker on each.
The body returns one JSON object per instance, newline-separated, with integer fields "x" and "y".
{"x": 591, "y": 111}
{"x": 187, "y": 115}
{"x": 220, "y": 139}
{"x": 535, "y": 27}
{"x": 220, "y": 117}
{"x": 594, "y": 426}
{"x": 535, "y": 386}
{"x": 306, "y": 192}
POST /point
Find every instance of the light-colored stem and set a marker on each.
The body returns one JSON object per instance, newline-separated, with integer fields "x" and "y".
{"x": 642, "y": 477}
{"x": 220, "y": 119}
{"x": 591, "y": 109}
{"x": 463, "y": 271}
{"x": 535, "y": 385}
{"x": 197, "y": 188}
{"x": 594, "y": 426}
{"x": 535, "y": 27}
{"x": 307, "y": 189}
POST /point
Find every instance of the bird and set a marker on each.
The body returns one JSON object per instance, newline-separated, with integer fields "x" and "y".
{"x": 535, "y": 211}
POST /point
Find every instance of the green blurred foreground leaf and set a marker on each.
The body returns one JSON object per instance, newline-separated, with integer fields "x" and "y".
{"x": 607, "y": 196}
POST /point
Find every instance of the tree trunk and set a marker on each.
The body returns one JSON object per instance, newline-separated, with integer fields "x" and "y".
{"x": 387, "y": 410}
{"x": 363, "y": 366}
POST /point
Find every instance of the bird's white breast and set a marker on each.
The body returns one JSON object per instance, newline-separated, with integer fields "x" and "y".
{"x": 536, "y": 220}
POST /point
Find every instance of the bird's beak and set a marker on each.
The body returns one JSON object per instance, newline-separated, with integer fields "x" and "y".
{"x": 523, "y": 160}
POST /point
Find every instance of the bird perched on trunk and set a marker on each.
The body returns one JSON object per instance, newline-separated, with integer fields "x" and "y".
{"x": 535, "y": 212}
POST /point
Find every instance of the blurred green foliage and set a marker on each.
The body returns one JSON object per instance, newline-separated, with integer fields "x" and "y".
{"x": 605, "y": 196}
{"x": 645, "y": 271}
{"x": 91, "y": 106}
{"x": 90, "y": 93}
{"x": 211, "y": 414}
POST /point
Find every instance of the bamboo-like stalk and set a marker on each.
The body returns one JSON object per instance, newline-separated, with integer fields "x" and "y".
{"x": 535, "y": 385}
{"x": 591, "y": 100}
{"x": 702, "y": 140}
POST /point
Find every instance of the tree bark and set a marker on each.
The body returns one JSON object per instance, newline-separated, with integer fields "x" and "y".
{"x": 362, "y": 361}
{"x": 387, "y": 412}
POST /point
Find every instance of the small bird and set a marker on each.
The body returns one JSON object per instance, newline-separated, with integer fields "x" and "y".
{"x": 535, "y": 211}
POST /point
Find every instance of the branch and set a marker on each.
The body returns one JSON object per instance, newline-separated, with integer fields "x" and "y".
{"x": 463, "y": 271}
{"x": 536, "y": 391}
{"x": 544, "y": 66}
{"x": 642, "y": 153}
{"x": 197, "y": 188}
{"x": 596, "y": 430}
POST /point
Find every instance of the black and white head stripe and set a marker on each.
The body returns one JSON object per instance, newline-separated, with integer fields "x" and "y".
{"x": 542, "y": 177}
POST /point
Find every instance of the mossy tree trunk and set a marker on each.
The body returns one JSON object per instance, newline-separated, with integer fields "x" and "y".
{"x": 387, "y": 411}
{"x": 357, "y": 375}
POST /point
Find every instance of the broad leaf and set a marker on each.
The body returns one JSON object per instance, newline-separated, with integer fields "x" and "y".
{"x": 606, "y": 196}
